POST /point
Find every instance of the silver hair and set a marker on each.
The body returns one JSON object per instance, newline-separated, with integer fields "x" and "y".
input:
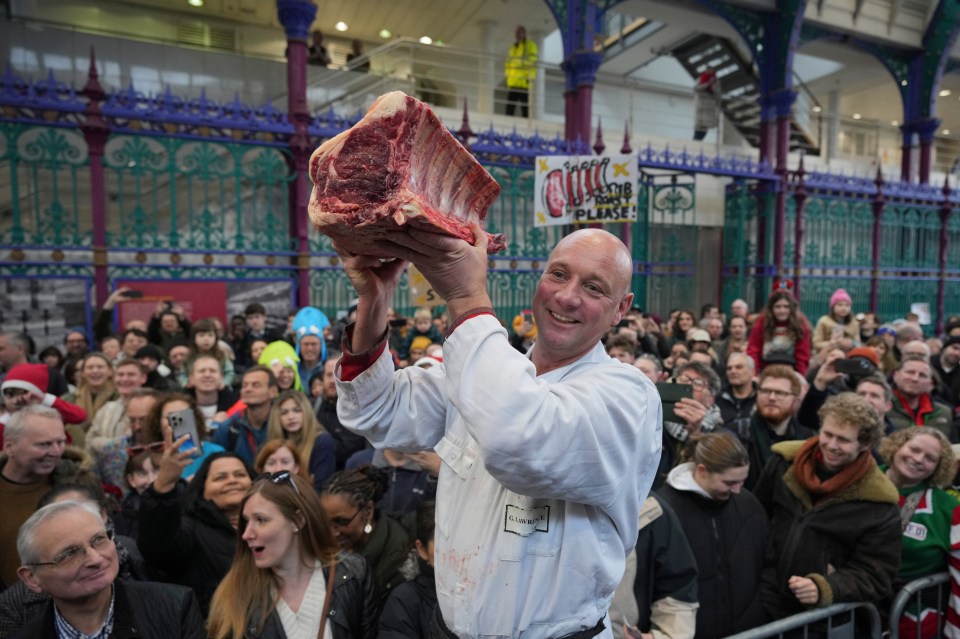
{"x": 28, "y": 531}
{"x": 20, "y": 420}
{"x": 752, "y": 365}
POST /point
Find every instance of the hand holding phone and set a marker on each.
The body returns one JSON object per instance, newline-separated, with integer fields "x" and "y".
{"x": 670, "y": 394}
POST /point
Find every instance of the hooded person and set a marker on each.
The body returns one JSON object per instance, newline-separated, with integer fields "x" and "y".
{"x": 280, "y": 358}
{"x": 309, "y": 325}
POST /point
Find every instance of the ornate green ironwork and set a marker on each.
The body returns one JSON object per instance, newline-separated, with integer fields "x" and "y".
{"x": 746, "y": 205}
{"x": 206, "y": 196}
{"x": 836, "y": 254}
{"x": 46, "y": 168}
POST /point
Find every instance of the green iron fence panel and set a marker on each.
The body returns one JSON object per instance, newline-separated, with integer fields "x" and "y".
{"x": 672, "y": 241}
{"x": 747, "y": 207}
{"x": 837, "y": 251}
{"x": 195, "y": 195}
{"x": 951, "y": 299}
{"x": 45, "y": 173}
{"x": 909, "y": 249}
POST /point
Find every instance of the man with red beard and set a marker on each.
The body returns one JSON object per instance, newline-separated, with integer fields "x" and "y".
{"x": 778, "y": 399}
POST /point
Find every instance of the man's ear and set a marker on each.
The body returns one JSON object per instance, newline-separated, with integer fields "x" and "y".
{"x": 29, "y": 578}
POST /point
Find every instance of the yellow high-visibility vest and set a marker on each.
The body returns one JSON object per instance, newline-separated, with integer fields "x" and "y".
{"x": 521, "y": 66}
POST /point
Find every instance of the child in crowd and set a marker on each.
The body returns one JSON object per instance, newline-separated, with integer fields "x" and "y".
{"x": 417, "y": 350}
{"x": 280, "y": 358}
{"x": 422, "y": 327}
{"x": 838, "y": 324}
{"x": 138, "y": 475}
{"x": 205, "y": 340}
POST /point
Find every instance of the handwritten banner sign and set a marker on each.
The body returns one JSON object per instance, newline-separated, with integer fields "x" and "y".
{"x": 585, "y": 189}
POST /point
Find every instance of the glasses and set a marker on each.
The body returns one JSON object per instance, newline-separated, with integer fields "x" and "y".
{"x": 72, "y": 556}
{"x": 284, "y": 476}
{"x": 774, "y": 393}
{"x": 699, "y": 384}
{"x": 341, "y": 522}
{"x": 155, "y": 447}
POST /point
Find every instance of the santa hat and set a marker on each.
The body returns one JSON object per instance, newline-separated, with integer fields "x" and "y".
{"x": 32, "y": 378}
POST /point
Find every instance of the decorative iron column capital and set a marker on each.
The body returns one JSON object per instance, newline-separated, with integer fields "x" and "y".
{"x": 296, "y": 16}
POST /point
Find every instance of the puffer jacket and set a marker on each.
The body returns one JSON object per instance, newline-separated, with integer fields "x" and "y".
{"x": 729, "y": 540}
{"x": 142, "y": 610}
{"x": 848, "y": 543}
{"x": 410, "y": 607}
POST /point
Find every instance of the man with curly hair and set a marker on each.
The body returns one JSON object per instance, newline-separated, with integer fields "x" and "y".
{"x": 834, "y": 521}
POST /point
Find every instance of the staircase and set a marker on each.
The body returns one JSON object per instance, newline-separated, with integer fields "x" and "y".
{"x": 741, "y": 88}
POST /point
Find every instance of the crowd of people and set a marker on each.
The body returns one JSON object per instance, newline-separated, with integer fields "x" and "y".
{"x": 801, "y": 464}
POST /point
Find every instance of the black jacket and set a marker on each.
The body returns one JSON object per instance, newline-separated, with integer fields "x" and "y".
{"x": 192, "y": 545}
{"x": 410, "y": 607}
{"x": 353, "y": 604}
{"x": 141, "y": 610}
{"x": 757, "y": 438}
{"x": 729, "y": 540}
{"x": 347, "y": 442}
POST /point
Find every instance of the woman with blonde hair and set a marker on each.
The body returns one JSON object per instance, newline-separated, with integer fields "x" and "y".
{"x": 292, "y": 418}
{"x": 95, "y": 385}
{"x": 920, "y": 463}
{"x": 286, "y": 559}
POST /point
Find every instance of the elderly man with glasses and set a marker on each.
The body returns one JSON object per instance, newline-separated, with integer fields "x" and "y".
{"x": 775, "y": 420}
{"x": 68, "y": 554}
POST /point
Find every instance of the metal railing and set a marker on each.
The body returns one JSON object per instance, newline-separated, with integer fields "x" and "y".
{"x": 838, "y": 621}
{"x": 927, "y": 592}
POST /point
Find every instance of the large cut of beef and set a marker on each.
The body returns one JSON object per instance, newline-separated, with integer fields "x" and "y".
{"x": 398, "y": 167}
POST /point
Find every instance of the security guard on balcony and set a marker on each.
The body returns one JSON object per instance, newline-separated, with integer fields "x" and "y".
{"x": 520, "y": 70}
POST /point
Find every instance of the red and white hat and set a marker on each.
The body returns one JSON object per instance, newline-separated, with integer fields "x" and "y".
{"x": 33, "y": 378}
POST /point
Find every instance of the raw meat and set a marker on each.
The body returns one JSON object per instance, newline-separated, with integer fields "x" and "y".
{"x": 398, "y": 167}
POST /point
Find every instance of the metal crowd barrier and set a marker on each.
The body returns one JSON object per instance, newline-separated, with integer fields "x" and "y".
{"x": 839, "y": 621}
{"x": 914, "y": 592}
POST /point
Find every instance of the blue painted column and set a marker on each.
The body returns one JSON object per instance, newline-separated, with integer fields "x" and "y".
{"x": 906, "y": 151}
{"x": 925, "y": 131}
{"x": 783, "y": 104}
{"x": 296, "y": 16}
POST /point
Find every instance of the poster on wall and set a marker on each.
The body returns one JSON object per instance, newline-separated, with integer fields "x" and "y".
{"x": 585, "y": 189}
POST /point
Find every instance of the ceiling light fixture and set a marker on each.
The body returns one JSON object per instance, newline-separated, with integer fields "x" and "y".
{"x": 944, "y": 93}
{"x": 946, "y": 131}
{"x": 426, "y": 40}
{"x": 385, "y": 33}
{"x": 903, "y": 83}
{"x": 857, "y": 116}
{"x": 195, "y": 3}
{"x": 340, "y": 26}
{"x": 895, "y": 123}
{"x": 817, "y": 109}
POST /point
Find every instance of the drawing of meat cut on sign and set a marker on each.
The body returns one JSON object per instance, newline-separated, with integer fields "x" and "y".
{"x": 398, "y": 168}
